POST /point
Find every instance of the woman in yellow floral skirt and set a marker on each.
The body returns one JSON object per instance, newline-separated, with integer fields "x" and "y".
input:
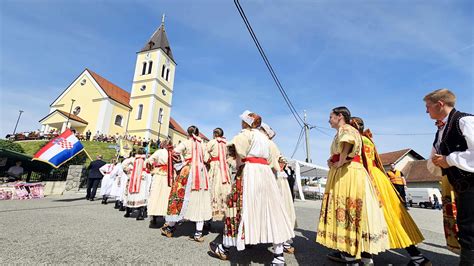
{"x": 402, "y": 230}
{"x": 351, "y": 219}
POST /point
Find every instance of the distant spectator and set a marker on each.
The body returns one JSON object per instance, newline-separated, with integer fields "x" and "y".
{"x": 88, "y": 135}
{"x": 15, "y": 172}
{"x": 94, "y": 177}
{"x": 436, "y": 204}
{"x": 291, "y": 179}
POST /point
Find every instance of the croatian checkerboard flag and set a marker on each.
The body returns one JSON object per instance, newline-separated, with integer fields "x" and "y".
{"x": 60, "y": 149}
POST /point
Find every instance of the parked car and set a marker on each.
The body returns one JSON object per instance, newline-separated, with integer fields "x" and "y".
{"x": 422, "y": 196}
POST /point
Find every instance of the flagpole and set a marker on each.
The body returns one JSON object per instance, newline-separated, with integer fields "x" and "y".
{"x": 88, "y": 154}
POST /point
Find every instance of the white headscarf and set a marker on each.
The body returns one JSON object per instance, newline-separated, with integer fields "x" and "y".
{"x": 245, "y": 116}
{"x": 268, "y": 130}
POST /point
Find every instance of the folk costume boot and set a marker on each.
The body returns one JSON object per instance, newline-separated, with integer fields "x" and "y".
{"x": 122, "y": 207}
{"x": 141, "y": 214}
{"x": 197, "y": 237}
{"x": 128, "y": 211}
{"x": 117, "y": 205}
{"x": 219, "y": 251}
{"x": 104, "y": 199}
{"x": 168, "y": 231}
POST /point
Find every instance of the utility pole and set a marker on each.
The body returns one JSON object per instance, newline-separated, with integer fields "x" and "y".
{"x": 69, "y": 115}
{"x": 19, "y": 115}
{"x": 128, "y": 119}
{"x": 306, "y": 135}
{"x": 160, "y": 120}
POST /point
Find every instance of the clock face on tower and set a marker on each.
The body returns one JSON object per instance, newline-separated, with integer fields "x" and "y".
{"x": 77, "y": 110}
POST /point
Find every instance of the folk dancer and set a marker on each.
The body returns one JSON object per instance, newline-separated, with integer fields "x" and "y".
{"x": 350, "y": 209}
{"x": 138, "y": 185}
{"x": 219, "y": 173}
{"x": 402, "y": 229}
{"x": 279, "y": 163}
{"x": 119, "y": 184}
{"x": 163, "y": 175}
{"x": 255, "y": 213}
{"x": 107, "y": 182}
{"x": 453, "y": 152}
{"x": 190, "y": 198}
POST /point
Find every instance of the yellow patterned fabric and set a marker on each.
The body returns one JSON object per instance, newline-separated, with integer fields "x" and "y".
{"x": 351, "y": 218}
{"x": 449, "y": 216}
{"x": 402, "y": 230}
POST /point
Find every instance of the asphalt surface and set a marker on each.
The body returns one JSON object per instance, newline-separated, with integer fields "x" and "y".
{"x": 71, "y": 230}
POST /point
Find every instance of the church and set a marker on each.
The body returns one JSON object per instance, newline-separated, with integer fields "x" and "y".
{"x": 91, "y": 102}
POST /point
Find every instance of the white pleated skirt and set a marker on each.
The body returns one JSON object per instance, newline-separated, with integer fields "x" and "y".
{"x": 264, "y": 216}
{"x": 106, "y": 186}
{"x": 287, "y": 199}
{"x": 159, "y": 195}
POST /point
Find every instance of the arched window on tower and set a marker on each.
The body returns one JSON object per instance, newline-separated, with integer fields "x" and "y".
{"x": 118, "y": 120}
{"x": 140, "y": 111}
{"x": 150, "y": 65}
{"x": 163, "y": 71}
{"x": 167, "y": 74}
{"x": 144, "y": 68}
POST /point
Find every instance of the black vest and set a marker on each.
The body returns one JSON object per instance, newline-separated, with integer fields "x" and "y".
{"x": 453, "y": 141}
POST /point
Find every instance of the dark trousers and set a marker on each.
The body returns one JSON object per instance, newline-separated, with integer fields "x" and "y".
{"x": 92, "y": 184}
{"x": 465, "y": 221}
{"x": 401, "y": 190}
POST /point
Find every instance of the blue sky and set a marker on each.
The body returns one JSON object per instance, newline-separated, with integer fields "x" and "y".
{"x": 379, "y": 58}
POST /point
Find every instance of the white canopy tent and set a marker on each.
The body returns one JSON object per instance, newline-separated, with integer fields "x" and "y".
{"x": 307, "y": 170}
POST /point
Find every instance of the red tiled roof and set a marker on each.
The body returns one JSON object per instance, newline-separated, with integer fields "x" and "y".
{"x": 394, "y": 156}
{"x": 66, "y": 114}
{"x": 113, "y": 91}
{"x": 417, "y": 171}
{"x": 177, "y": 127}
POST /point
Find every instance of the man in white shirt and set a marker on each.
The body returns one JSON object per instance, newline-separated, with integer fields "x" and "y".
{"x": 15, "y": 172}
{"x": 453, "y": 152}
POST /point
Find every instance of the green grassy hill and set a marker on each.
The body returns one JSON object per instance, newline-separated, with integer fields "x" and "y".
{"x": 92, "y": 147}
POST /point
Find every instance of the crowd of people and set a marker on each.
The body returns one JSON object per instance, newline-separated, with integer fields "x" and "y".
{"x": 362, "y": 212}
{"x": 87, "y": 136}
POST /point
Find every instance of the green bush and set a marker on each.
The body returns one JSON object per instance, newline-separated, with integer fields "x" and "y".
{"x": 10, "y": 145}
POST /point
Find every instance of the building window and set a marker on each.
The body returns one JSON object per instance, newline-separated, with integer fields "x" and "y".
{"x": 150, "y": 65}
{"x": 163, "y": 71}
{"x": 144, "y": 68}
{"x": 163, "y": 91}
{"x": 167, "y": 74}
{"x": 143, "y": 88}
{"x": 83, "y": 82}
{"x": 118, "y": 120}
{"x": 160, "y": 116}
{"x": 140, "y": 111}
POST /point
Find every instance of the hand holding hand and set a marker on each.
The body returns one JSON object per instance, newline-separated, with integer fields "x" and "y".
{"x": 440, "y": 160}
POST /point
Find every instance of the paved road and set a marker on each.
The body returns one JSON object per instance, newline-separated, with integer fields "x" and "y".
{"x": 69, "y": 230}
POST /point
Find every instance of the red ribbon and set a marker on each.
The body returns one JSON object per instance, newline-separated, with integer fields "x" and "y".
{"x": 256, "y": 160}
{"x": 336, "y": 157}
{"x": 136, "y": 178}
{"x": 221, "y": 149}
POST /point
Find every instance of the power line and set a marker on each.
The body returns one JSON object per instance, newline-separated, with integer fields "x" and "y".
{"x": 268, "y": 64}
{"x": 298, "y": 143}
{"x": 324, "y": 133}
{"x": 379, "y": 134}
{"x": 403, "y": 134}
